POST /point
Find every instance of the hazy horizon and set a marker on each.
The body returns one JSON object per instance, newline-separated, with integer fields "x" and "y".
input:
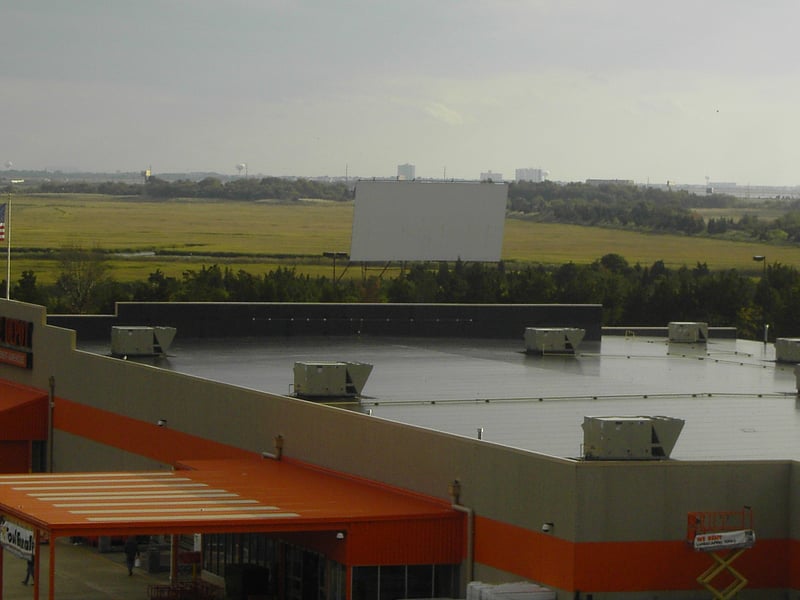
{"x": 613, "y": 89}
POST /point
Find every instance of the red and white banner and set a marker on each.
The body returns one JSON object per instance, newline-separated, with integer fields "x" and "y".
{"x": 723, "y": 540}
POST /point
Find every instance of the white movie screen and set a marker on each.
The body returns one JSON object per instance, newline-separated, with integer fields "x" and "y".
{"x": 427, "y": 221}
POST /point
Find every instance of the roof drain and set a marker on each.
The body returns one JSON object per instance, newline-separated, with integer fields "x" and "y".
{"x": 454, "y": 490}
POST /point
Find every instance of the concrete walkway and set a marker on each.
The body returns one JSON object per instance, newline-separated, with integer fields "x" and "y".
{"x": 82, "y": 573}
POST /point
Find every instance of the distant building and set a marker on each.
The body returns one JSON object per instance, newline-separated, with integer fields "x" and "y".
{"x": 534, "y": 175}
{"x": 490, "y": 176}
{"x": 610, "y": 182}
{"x": 406, "y": 172}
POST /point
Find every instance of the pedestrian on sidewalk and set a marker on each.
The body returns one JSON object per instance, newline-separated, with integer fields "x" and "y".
{"x": 29, "y": 571}
{"x": 131, "y": 553}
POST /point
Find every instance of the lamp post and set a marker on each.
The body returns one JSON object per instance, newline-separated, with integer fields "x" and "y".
{"x": 763, "y": 260}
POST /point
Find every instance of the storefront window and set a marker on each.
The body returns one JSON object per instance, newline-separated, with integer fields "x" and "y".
{"x": 303, "y": 574}
{"x": 365, "y": 583}
{"x": 405, "y": 581}
{"x": 420, "y": 581}
{"x": 392, "y": 583}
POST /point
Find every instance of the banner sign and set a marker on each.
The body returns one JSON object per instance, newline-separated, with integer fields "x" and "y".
{"x": 708, "y": 542}
{"x": 16, "y": 342}
{"x": 18, "y": 540}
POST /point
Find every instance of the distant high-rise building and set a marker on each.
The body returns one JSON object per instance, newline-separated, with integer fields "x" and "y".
{"x": 490, "y": 176}
{"x": 534, "y": 175}
{"x": 406, "y": 172}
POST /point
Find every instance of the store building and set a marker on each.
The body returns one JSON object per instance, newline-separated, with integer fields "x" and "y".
{"x": 462, "y": 463}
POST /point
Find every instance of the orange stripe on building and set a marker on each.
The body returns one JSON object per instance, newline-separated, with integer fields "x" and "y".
{"x": 623, "y": 566}
{"x": 530, "y": 554}
{"x": 163, "y": 444}
{"x": 671, "y": 565}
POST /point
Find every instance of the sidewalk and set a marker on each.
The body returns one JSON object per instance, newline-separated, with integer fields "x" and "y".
{"x": 82, "y": 573}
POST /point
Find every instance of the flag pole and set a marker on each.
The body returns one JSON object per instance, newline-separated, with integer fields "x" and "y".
{"x": 8, "y": 247}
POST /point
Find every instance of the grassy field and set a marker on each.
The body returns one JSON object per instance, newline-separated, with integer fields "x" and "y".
{"x": 260, "y": 236}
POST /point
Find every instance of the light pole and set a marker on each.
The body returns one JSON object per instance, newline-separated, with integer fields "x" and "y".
{"x": 763, "y": 260}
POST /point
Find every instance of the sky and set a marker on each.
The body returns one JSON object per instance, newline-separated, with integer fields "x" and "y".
{"x": 675, "y": 91}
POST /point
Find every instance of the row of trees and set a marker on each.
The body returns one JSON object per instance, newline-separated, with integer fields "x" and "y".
{"x": 630, "y": 294}
{"x": 650, "y": 209}
{"x": 247, "y": 188}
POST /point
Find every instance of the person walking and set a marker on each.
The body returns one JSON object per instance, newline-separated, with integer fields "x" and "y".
{"x": 29, "y": 571}
{"x": 131, "y": 552}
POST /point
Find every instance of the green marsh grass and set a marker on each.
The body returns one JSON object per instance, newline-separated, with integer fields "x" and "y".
{"x": 259, "y": 237}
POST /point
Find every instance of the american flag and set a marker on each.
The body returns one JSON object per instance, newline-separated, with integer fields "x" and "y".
{"x": 2, "y": 222}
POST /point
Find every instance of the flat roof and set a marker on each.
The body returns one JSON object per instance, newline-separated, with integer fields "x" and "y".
{"x": 257, "y": 495}
{"x": 738, "y": 403}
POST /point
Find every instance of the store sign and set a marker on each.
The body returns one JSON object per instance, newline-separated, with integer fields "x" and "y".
{"x": 16, "y": 342}
{"x": 18, "y": 540}
{"x": 724, "y": 540}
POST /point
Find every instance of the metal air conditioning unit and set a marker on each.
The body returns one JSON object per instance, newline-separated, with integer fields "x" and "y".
{"x": 630, "y": 438}
{"x": 688, "y": 332}
{"x": 330, "y": 379}
{"x": 553, "y": 340}
{"x": 141, "y": 341}
{"x": 787, "y": 350}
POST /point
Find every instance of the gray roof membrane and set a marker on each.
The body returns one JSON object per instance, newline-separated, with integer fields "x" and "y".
{"x": 737, "y": 402}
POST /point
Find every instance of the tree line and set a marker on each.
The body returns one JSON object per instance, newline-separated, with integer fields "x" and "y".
{"x": 649, "y": 209}
{"x": 245, "y": 188}
{"x": 631, "y": 295}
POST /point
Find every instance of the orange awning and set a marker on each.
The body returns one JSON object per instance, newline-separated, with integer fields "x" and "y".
{"x": 256, "y": 495}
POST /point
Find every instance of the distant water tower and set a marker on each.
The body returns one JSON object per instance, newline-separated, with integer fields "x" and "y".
{"x": 406, "y": 172}
{"x": 242, "y": 167}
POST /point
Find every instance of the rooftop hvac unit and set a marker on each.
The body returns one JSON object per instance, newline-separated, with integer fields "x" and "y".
{"x": 688, "y": 332}
{"x": 553, "y": 340}
{"x": 787, "y": 350}
{"x": 330, "y": 379}
{"x": 630, "y": 438}
{"x": 141, "y": 341}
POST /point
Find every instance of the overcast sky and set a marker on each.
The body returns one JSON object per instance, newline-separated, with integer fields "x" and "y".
{"x": 627, "y": 89}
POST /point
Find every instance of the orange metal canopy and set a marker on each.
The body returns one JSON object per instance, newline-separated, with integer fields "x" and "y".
{"x": 26, "y": 408}
{"x": 215, "y": 496}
